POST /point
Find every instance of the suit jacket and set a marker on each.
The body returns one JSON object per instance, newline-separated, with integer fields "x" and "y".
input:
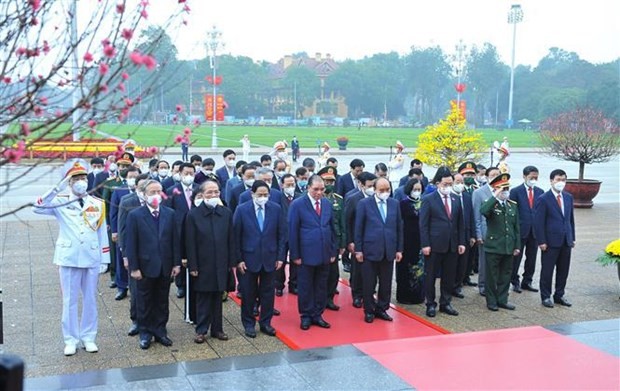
{"x": 551, "y": 227}
{"x": 128, "y": 203}
{"x": 223, "y": 177}
{"x": 350, "y": 208}
{"x": 90, "y": 178}
{"x": 115, "y": 201}
{"x": 260, "y": 249}
{"x": 468, "y": 216}
{"x": 232, "y": 182}
{"x": 285, "y": 203}
{"x": 478, "y": 197}
{"x": 526, "y": 214}
{"x": 441, "y": 233}
{"x": 311, "y": 237}
{"x": 168, "y": 183}
{"x": 204, "y": 227}
{"x": 153, "y": 252}
{"x": 374, "y": 238}
{"x": 274, "y": 196}
{"x": 233, "y": 197}
{"x": 99, "y": 180}
{"x": 403, "y": 181}
{"x": 176, "y": 201}
{"x": 345, "y": 184}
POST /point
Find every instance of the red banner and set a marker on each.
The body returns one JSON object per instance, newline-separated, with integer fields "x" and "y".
{"x": 220, "y": 105}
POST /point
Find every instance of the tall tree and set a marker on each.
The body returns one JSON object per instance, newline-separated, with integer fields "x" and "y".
{"x": 304, "y": 85}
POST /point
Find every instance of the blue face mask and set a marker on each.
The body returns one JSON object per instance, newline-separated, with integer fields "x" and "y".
{"x": 302, "y": 183}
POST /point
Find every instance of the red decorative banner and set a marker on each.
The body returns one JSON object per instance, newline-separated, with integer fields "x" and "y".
{"x": 220, "y": 105}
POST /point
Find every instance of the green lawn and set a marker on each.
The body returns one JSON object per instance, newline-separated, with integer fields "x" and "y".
{"x": 229, "y": 136}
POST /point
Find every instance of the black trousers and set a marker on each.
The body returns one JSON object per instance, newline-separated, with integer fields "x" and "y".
{"x": 312, "y": 290}
{"x": 280, "y": 277}
{"x": 461, "y": 267}
{"x": 257, "y": 286}
{"x": 181, "y": 279}
{"x": 558, "y": 259}
{"x": 371, "y": 272}
{"x": 152, "y": 306}
{"x": 133, "y": 295}
{"x": 209, "y": 312}
{"x": 332, "y": 279}
{"x": 357, "y": 287}
{"x": 529, "y": 248}
{"x": 472, "y": 260}
{"x": 447, "y": 262}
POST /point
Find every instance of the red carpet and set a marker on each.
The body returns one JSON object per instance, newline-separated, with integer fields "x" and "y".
{"x": 347, "y": 324}
{"x": 524, "y": 358}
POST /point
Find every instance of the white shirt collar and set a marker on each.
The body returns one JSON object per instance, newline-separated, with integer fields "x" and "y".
{"x": 151, "y": 209}
{"x": 312, "y": 200}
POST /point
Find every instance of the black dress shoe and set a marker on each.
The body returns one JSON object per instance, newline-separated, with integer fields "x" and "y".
{"x": 562, "y": 301}
{"x": 383, "y": 315}
{"x": 222, "y": 336}
{"x": 516, "y": 288}
{"x": 251, "y": 333}
{"x": 268, "y": 330}
{"x": 357, "y": 302}
{"x": 507, "y": 306}
{"x": 279, "y": 292}
{"x": 305, "y": 325}
{"x": 470, "y": 283}
{"x": 133, "y": 330}
{"x": 145, "y": 344}
{"x": 492, "y": 307}
{"x": 321, "y": 323}
{"x": 121, "y": 294}
{"x": 164, "y": 341}
{"x": 332, "y": 306}
{"x": 368, "y": 318}
{"x": 483, "y": 293}
{"x": 547, "y": 303}
{"x": 447, "y": 309}
{"x": 528, "y": 287}
{"x": 276, "y": 312}
{"x": 459, "y": 294}
{"x": 112, "y": 285}
{"x": 180, "y": 293}
{"x": 431, "y": 311}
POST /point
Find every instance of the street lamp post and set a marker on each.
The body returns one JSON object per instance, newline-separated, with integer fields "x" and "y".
{"x": 460, "y": 57}
{"x": 213, "y": 44}
{"x": 515, "y": 15}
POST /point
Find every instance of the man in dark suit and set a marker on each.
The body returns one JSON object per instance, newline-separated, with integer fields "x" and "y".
{"x": 248, "y": 172}
{"x": 525, "y": 196}
{"x": 288, "y": 194}
{"x": 206, "y": 172}
{"x": 128, "y": 203}
{"x": 378, "y": 243}
{"x": 442, "y": 237}
{"x": 154, "y": 256}
{"x": 458, "y": 189}
{"x": 554, "y": 227}
{"x": 415, "y": 163}
{"x": 264, "y": 174}
{"x": 301, "y": 178}
{"x": 366, "y": 183}
{"x": 96, "y": 166}
{"x": 260, "y": 236}
{"x": 227, "y": 171}
{"x": 210, "y": 265}
{"x": 110, "y": 170}
{"x": 174, "y": 177}
{"x": 163, "y": 171}
{"x": 312, "y": 242}
{"x": 179, "y": 198}
{"x": 347, "y": 182}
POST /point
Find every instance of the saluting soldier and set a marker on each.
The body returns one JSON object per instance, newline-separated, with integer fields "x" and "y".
{"x": 502, "y": 242}
{"x": 82, "y": 247}
{"x": 329, "y": 174}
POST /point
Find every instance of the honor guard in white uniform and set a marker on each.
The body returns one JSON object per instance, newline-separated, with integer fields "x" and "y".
{"x": 280, "y": 153}
{"x": 322, "y": 161}
{"x": 395, "y": 165}
{"x": 81, "y": 249}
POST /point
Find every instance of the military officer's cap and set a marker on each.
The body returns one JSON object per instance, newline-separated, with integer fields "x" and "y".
{"x": 325, "y": 145}
{"x": 279, "y": 146}
{"x": 328, "y": 172}
{"x": 467, "y": 168}
{"x": 77, "y": 169}
{"x": 500, "y": 181}
{"x": 126, "y": 158}
{"x": 399, "y": 145}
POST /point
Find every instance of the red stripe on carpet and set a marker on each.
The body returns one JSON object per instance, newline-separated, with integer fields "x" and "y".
{"x": 523, "y": 358}
{"x": 347, "y": 324}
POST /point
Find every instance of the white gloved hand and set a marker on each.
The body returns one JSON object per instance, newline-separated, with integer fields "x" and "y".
{"x": 63, "y": 184}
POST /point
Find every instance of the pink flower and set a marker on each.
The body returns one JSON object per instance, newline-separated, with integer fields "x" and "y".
{"x": 125, "y": 75}
{"x": 129, "y": 102}
{"x": 144, "y": 3}
{"x": 179, "y": 108}
{"x": 197, "y": 122}
{"x": 35, "y": 4}
{"x": 46, "y": 47}
{"x": 61, "y": 83}
{"x": 25, "y": 130}
{"x": 149, "y": 62}
{"x": 152, "y": 150}
{"x": 58, "y": 113}
{"x": 181, "y": 1}
{"x": 186, "y": 8}
{"x": 103, "y": 68}
{"x": 21, "y": 51}
{"x": 144, "y": 14}
{"x": 178, "y": 139}
{"x": 43, "y": 100}
{"x": 38, "y": 111}
{"x": 103, "y": 88}
{"x": 92, "y": 123}
{"x": 34, "y": 22}
{"x": 136, "y": 58}
{"x": 120, "y": 8}
{"x": 187, "y": 131}
{"x": 121, "y": 87}
{"x": 176, "y": 191}
{"x": 105, "y": 42}
{"x": 88, "y": 57}
{"x": 109, "y": 51}
{"x": 6, "y": 79}
{"x": 127, "y": 34}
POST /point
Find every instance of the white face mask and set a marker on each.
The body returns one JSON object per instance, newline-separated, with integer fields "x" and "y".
{"x": 289, "y": 191}
{"x": 261, "y": 201}
{"x": 163, "y": 172}
{"x": 458, "y": 188}
{"x": 383, "y": 196}
{"x": 154, "y": 200}
{"x": 113, "y": 167}
{"x": 231, "y": 163}
{"x": 482, "y": 179}
{"x": 212, "y": 202}
{"x": 187, "y": 180}
{"x": 532, "y": 182}
{"x": 280, "y": 174}
{"x": 96, "y": 171}
{"x": 504, "y": 195}
{"x": 131, "y": 183}
{"x": 207, "y": 172}
{"x": 415, "y": 194}
{"x": 369, "y": 191}
{"x": 198, "y": 201}
{"x": 445, "y": 190}
{"x": 559, "y": 186}
{"x": 248, "y": 182}
{"x": 79, "y": 187}
{"x": 176, "y": 176}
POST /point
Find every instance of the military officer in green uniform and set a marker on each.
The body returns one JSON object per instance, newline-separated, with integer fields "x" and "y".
{"x": 502, "y": 242}
{"x": 329, "y": 173}
{"x": 109, "y": 185}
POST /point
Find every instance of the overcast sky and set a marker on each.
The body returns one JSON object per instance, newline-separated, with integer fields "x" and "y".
{"x": 269, "y": 29}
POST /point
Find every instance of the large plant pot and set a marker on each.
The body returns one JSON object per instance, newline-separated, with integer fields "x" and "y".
{"x": 583, "y": 192}
{"x": 342, "y": 145}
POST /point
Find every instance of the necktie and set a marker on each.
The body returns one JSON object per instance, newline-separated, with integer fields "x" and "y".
{"x": 382, "y": 209}
{"x": 188, "y": 197}
{"x": 447, "y": 206}
{"x": 317, "y": 207}
{"x": 81, "y": 201}
{"x": 530, "y": 196}
{"x": 156, "y": 214}
{"x": 260, "y": 217}
{"x": 559, "y": 199}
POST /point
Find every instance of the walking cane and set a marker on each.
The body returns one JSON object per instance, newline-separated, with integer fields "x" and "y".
{"x": 187, "y": 319}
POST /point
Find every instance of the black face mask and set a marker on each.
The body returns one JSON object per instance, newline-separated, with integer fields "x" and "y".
{"x": 123, "y": 173}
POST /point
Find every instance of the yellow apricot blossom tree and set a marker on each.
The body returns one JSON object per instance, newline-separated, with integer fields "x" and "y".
{"x": 449, "y": 143}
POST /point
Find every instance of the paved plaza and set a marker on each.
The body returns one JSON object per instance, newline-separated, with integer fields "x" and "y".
{"x": 32, "y": 303}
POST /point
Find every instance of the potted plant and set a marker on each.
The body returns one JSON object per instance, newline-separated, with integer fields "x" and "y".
{"x": 611, "y": 255}
{"x": 583, "y": 135}
{"x": 342, "y": 142}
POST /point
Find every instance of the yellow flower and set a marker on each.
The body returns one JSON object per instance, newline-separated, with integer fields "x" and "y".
{"x": 613, "y": 248}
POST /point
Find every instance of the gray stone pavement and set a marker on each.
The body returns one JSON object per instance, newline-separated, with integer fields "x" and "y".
{"x": 32, "y": 305}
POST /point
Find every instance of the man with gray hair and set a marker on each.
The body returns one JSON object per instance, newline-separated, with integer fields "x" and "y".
{"x": 266, "y": 175}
